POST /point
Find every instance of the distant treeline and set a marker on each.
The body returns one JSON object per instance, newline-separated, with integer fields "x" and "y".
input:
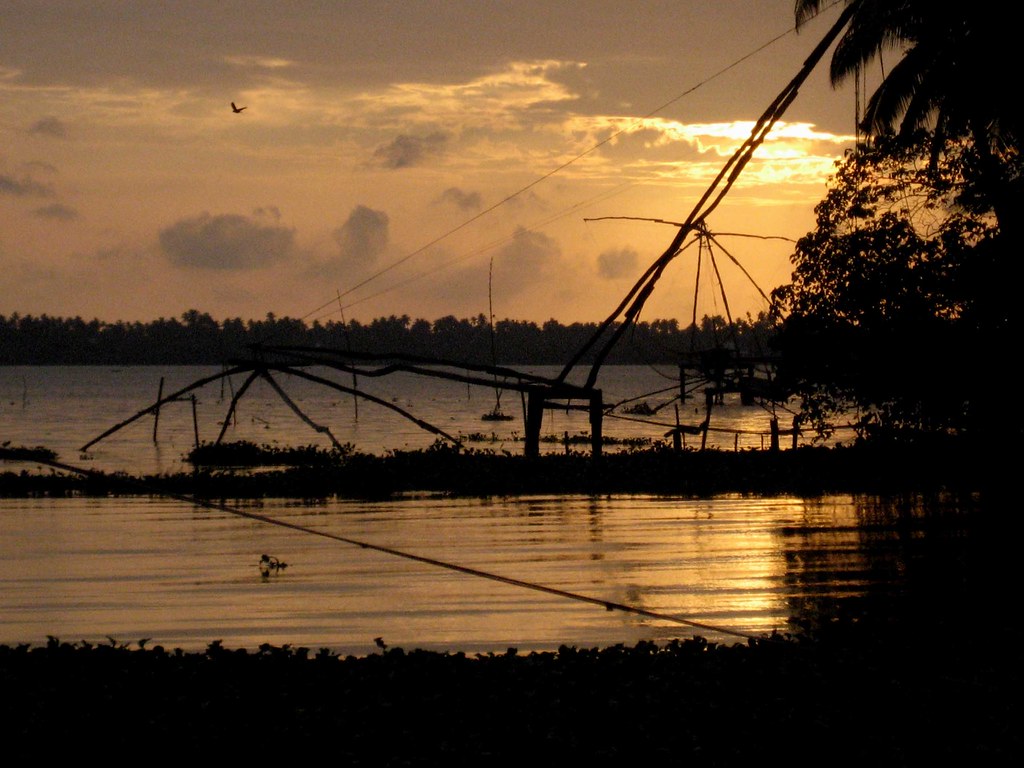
{"x": 197, "y": 339}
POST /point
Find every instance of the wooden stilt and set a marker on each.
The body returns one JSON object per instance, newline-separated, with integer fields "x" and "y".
{"x": 179, "y": 395}
{"x": 299, "y": 412}
{"x": 709, "y": 402}
{"x": 677, "y": 435}
{"x": 156, "y": 413}
{"x": 534, "y": 419}
{"x": 355, "y": 398}
{"x": 596, "y": 423}
{"x": 231, "y": 417}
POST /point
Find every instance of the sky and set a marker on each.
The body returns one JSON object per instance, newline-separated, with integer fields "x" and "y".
{"x": 400, "y": 158}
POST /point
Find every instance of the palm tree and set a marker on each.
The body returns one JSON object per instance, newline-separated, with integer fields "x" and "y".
{"x": 956, "y": 74}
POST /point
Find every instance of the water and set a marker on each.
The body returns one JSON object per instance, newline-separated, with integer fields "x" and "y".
{"x": 184, "y": 575}
{"x": 64, "y": 408}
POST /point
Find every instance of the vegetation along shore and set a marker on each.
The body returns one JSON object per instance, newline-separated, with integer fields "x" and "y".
{"x": 779, "y": 699}
{"x": 246, "y": 470}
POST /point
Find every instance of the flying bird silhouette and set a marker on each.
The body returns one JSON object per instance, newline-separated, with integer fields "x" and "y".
{"x": 235, "y": 109}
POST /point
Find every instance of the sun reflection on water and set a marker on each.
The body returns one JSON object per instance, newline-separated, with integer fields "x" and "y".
{"x": 132, "y": 568}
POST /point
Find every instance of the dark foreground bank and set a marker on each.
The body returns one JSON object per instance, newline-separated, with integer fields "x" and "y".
{"x": 688, "y": 702}
{"x": 247, "y": 471}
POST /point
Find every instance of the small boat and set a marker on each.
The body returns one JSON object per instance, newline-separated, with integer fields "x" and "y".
{"x": 496, "y": 415}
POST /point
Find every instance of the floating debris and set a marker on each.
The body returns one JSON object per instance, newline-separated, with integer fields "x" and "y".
{"x": 270, "y": 564}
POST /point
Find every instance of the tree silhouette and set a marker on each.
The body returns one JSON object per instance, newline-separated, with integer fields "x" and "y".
{"x": 956, "y": 74}
{"x": 903, "y": 320}
{"x": 199, "y": 339}
{"x": 888, "y": 311}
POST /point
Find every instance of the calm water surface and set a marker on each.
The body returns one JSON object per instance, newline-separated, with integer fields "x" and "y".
{"x": 184, "y": 575}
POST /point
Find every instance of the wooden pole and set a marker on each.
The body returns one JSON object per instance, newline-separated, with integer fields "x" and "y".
{"x": 298, "y": 411}
{"x": 355, "y": 398}
{"x": 677, "y": 435}
{"x": 534, "y": 419}
{"x": 156, "y": 413}
{"x": 348, "y": 345}
{"x": 596, "y": 423}
{"x": 709, "y": 401}
{"x": 179, "y": 395}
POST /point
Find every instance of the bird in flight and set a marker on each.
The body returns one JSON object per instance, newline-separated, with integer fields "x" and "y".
{"x": 235, "y": 109}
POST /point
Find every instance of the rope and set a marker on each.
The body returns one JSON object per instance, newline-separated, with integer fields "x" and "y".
{"x": 221, "y": 507}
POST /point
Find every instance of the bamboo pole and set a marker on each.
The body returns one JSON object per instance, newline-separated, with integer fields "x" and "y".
{"x": 323, "y": 430}
{"x": 630, "y": 307}
{"x": 169, "y": 398}
{"x": 156, "y": 413}
{"x": 195, "y": 419}
{"x": 229, "y": 418}
{"x": 365, "y": 395}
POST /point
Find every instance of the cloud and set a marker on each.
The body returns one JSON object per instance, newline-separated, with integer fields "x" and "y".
{"x": 226, "y": 241}
{"x": 364, "y": 235}
{"x": 49, "y": 126}
{"x": 259, "y": 62}
{"x": 56, "y": 211}
{"x": 408, "y": 151}
{"x": 618, "y": 262}
{"x": 524, "y": 261}
{"x": 668, "y": 150}
{"x": 500, "y": 101}
{"x": 26, "y": 186}
{"x": 466, "y": 201}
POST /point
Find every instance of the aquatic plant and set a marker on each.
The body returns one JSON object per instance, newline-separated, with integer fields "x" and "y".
{"x": 778, "y": 700}
{"x": 640, "y": 409}
{"x": 244, "y": 453}
{"x": 23, "y": 453}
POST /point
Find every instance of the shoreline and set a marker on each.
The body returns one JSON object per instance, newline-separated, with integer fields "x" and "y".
{"x": 806, "y": 471}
